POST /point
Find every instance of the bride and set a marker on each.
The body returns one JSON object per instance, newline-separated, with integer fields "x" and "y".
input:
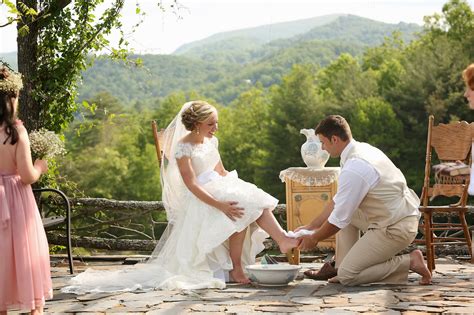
{"x": 216, "y": 222}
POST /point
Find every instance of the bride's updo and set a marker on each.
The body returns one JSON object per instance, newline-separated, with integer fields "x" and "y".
{"x": 198, "y": 112}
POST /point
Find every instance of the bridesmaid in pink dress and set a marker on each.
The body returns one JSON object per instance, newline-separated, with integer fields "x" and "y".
{"x": 25, "y": 277}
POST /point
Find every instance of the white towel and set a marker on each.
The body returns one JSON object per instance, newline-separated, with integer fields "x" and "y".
{"x": 299, "y": 233}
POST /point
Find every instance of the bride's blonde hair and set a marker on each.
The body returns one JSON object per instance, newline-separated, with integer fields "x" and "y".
{"x": 198, "y": 112}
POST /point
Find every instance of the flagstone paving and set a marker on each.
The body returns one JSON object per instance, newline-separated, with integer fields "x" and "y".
{"x": 452, "y": 292}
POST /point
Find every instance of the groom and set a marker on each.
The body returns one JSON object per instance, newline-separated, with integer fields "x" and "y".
{"x": 373, "y": 197}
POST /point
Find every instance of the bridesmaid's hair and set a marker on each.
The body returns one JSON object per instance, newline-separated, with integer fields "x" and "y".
{"x": 468, "y": 76}
{"x": 7, "y": 112}
{"x": 198, "y": 112}
{"x": 334, "y": 125}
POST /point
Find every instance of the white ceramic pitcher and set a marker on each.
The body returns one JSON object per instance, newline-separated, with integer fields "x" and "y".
{"x": 311, "y": 151}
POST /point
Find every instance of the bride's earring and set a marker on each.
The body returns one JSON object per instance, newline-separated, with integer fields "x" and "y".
{"x": 197, "y": 130}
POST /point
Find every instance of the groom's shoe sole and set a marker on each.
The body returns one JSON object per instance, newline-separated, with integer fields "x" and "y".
{"x": 326, "y": 272}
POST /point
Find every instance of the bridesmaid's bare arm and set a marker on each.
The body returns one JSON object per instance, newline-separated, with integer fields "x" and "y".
{"x": 29, "y": 172}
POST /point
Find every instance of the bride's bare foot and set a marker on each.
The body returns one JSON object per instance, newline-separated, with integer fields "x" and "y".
{"x": 417, "y": 264}
{"x": 237, "y": 275}
{"x": 288, "y": 243}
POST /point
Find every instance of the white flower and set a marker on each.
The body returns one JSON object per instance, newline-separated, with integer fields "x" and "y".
{"x": 46, "y": 144}
{"x": 10, "y": 81}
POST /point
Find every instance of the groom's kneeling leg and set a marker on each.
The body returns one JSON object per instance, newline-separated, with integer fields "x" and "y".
{"x": 372, "y": 259}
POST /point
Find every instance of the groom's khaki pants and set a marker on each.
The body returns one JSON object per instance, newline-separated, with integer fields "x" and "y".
{"x": 371, "y": 258}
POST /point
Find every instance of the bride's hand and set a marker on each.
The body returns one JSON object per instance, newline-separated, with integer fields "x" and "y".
{"x": 231, "y": 210}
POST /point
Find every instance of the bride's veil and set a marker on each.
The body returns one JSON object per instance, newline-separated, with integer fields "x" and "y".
{"x": 153, "y": 274}
{"x": 173, "y": 189}
{"x": 165, "y": 269}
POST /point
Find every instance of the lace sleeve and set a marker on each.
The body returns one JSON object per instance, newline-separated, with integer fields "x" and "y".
{"x": 215, "y": 142}
{"x": 183, "y": 149}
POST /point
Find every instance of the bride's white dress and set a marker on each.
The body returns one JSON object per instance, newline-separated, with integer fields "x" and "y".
{"x": 195, "y": 255}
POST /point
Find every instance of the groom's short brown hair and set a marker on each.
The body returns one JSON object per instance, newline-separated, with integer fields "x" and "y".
{"x": 334, "y": 125}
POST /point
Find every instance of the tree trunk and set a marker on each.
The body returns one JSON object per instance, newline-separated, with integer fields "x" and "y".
{"x": 29, "y": 109}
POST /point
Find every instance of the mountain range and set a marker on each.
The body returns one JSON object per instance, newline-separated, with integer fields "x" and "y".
{"x": 226, "y": 64}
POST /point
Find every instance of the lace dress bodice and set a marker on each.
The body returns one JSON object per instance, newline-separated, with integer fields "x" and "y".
{"x": 204, "y": 157}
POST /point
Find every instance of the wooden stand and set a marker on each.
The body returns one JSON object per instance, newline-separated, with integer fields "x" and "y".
{"x": 305, "y": 202}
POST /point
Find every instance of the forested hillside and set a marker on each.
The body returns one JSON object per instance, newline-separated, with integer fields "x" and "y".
{"x": 228, "y": 64}
{"x": 385, "y": 87}
{"x": 254, "y": 36}
{"x": 386, "y": 92}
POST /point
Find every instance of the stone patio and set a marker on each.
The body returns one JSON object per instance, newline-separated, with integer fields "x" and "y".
{"x": 452, "y": 292}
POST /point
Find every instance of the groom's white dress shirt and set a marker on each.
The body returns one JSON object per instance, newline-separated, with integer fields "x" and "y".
{"x": 356, "y": 179}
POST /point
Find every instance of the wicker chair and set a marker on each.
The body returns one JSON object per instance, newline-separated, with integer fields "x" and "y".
{"x": 451, "y": 142}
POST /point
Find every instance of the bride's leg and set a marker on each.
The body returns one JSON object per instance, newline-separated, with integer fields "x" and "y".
{"x": 236, "y": 243}
{"x": 270, "y": 225}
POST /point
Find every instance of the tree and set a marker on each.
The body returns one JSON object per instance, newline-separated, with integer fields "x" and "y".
{"x": 112, "y": 156}
{"x": 373, "y": 120}
{"x": 295, "y": 104}
{"x": 375, "y": 57}
{"x": 168, "y": 108}
{"x": 427, "y": 80}
{"x": 92, "y": 122}
{"x": 386, "y": 61}
{"x": 343, "y": 81}
{"x": 242, "y": 131}
{"x": 457, "y": 22}
{"x": 55, "y": 38}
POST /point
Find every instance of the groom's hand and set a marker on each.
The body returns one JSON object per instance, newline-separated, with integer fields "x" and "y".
{"x": 303, "y": 227}
{"x": 307, "y": 242}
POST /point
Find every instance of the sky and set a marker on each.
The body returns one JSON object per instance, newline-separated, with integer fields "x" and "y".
{"x": 163, "y": 32}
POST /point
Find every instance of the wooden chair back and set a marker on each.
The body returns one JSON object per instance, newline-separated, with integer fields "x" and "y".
{"x": 158, "y": 137}
{"x": 451, "y": 142}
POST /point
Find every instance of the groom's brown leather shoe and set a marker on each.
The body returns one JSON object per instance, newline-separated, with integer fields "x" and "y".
{"x": 326, "y": 272}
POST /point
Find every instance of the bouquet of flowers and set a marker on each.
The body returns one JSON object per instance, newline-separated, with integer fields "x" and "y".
{"x": 46, "y": 144}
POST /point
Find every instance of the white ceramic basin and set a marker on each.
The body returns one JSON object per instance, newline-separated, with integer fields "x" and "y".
{"x": 272, "y": 275}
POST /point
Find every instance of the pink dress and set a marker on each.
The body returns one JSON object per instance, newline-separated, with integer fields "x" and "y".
{"x": 25, "y": 276}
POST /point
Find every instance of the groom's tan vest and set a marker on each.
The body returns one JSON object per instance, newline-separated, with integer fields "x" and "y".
{"x": 390, "y": 200}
